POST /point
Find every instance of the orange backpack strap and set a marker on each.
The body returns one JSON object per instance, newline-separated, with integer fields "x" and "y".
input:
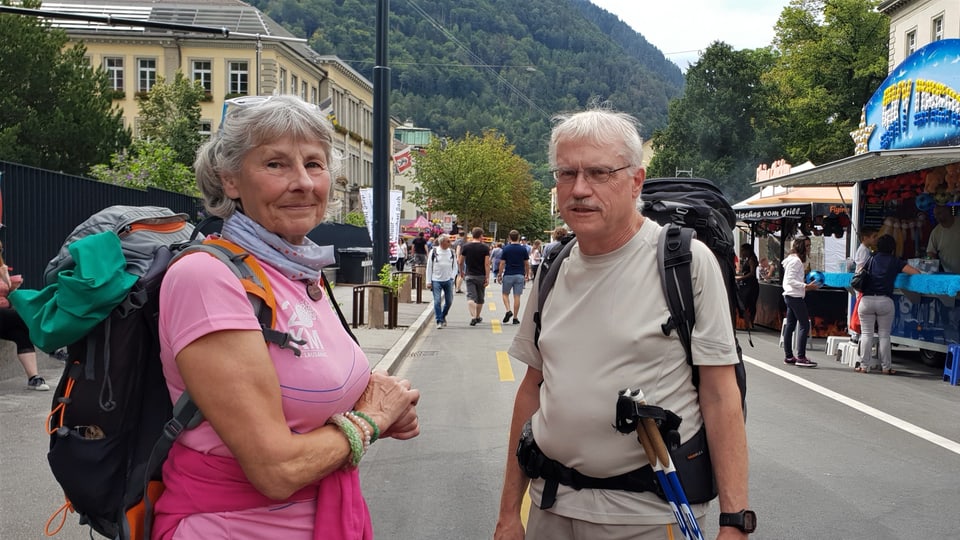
{"x": 255, "y": 283}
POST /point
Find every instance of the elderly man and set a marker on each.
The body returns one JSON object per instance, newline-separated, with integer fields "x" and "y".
{"x": 594, "y": 341}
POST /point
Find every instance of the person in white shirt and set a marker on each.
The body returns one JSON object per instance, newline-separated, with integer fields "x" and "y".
{"x": 794, "y": 290}
{"x": 868, "y": 242}
{"x": 441, "y": 269}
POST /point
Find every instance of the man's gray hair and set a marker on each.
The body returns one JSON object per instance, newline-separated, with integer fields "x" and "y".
{"x": 600, "y": 126}
{"x": 247, "y": 127}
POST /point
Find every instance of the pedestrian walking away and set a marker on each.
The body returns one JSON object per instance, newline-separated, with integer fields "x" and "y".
{"x": 441, "y": 269}
{"x": 475, "y": 261}
{"x": 562, "y": 413}
{"x": 794, "y": 291}
{"x": 458, "y": 247}
{"x": 514, "y": 272}
{"x": 419, "y": 245}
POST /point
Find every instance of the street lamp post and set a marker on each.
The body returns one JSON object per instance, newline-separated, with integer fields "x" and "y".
{"x": 381, "y": 141}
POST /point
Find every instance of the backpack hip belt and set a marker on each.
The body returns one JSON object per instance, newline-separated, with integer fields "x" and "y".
{"x": 699, "y": 487}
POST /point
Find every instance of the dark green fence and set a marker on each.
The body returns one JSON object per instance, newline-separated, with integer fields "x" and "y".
{"x": 41, "y": 207}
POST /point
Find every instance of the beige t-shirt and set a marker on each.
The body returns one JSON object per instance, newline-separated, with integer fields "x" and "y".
{"x": 601, "y": 333}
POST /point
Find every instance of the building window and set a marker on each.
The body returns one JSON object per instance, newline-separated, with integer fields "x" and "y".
{"x": 239, "y": 77}
{"x": 283, "y": 81}
{"x": 911, "y": 42}
{"x": 313, "y": 95}
{"x": 114, "y": 68}
{"x": 937, "y": 30}
{"x": 203, "y": 73}
{"x": 146, "y": 74}
{"x": 303, "y": 90}
{"x": 294, "y": 84}
{"x": 206, "y": 128}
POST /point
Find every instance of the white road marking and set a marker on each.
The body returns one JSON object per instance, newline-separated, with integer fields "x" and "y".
{"x": 912, "y": 429}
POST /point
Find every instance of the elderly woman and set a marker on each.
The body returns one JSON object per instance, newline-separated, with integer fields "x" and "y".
{"x": 276, "y": 455}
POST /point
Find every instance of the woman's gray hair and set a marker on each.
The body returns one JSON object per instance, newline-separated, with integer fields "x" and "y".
{"x": 246, "y": 127}
{"x": 601, "y": 126}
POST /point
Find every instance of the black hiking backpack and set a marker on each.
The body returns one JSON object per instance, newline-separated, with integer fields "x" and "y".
{"x": 112, "y": 422}
{"x": 688, "y": 209}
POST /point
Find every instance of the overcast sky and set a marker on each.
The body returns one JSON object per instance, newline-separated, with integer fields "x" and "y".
{"x": 680, "y": 28}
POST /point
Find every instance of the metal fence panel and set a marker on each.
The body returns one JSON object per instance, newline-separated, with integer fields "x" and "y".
{"x": 41, "y": 207}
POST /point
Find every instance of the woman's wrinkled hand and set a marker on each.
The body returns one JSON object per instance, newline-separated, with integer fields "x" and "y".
{"x": 391, "y": 402}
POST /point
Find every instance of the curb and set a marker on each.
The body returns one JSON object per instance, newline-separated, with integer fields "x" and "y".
{"x": 391, "y": 361}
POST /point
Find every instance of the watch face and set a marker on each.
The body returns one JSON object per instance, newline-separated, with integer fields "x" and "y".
{"x": 749, "y": 521}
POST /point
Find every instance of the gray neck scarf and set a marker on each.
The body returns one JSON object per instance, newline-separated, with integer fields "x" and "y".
{"x": 301, "y": 262}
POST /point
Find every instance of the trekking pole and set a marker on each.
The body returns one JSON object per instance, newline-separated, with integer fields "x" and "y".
{"x": 649, "y": 436}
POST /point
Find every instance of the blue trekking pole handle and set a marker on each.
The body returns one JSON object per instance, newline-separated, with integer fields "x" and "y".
{"x": 665, "y": 484}
{"x": 670, "y": 472}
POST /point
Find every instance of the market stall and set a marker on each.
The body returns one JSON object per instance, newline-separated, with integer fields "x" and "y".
{"x": 907, "y": 163}
{"x": 827, "y": 222}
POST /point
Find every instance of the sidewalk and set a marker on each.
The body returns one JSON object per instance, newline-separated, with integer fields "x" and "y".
{"x": 385, "y": 348}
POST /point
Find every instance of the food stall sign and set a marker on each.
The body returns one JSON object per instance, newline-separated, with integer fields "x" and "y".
{"x": 761, "y": 213}
{"x": 918, "y": 105}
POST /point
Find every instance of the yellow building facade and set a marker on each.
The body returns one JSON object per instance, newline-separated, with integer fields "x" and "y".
{"x": 236, "y": 50}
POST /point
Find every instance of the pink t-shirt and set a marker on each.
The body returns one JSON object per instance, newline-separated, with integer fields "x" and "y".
{"x": 200, "y": 295}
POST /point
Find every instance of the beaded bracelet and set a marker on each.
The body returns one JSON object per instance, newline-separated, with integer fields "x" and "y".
{"x": 363, "y": 427}
{"x": 376, "y": 429}
{"x": 350, "y": 430}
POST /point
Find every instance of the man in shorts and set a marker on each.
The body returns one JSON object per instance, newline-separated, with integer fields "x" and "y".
{"x": 514, "y": 272}
{"x": 475, "y": 264}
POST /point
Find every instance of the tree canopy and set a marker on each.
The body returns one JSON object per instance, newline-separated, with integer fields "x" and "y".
{"x": 56, "y": 112}
{"x": 798, "y": 99}
{"x": 163, "y": 154}
{"x": 833, "y": 56}
{"x": 478, "y": 178}
{"x": 170, "y": 113}
{"x": 721, "y": 128}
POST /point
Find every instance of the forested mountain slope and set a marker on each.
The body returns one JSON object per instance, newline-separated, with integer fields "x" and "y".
{"x": 461, "y": 66}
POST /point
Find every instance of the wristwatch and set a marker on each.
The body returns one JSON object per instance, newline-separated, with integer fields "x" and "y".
{"x": 745, "y": 520}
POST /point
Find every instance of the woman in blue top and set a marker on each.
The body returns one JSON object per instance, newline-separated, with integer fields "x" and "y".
{"x": 876, "y": 305}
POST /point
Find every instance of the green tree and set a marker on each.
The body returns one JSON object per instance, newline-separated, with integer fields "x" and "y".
{"x": 170, "y": 113}
{"x": 480, "y": 179}
{"x": 833, "y": 56}
{"x": 56, "y": 112}
{"x": 148, "y": 164}
{"x": 721, "y": 128}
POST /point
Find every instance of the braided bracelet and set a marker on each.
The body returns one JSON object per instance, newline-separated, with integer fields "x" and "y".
{"x": 350, "y": 430}
{"x": 366, "y": 417}
{"x": 363, "y": 427}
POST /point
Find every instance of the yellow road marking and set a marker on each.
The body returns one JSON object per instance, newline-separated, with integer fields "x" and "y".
{"x": 503, "y": 364}
{"x": 495, "y": 326}
{"x": 492, "y": 306}
{"x": 525, "y": 508}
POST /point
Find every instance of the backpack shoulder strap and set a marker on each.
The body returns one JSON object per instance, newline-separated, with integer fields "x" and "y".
{"x": 546, "y": 280}
{"x": 673, "y": 260}
{"x": 255, "y": 284}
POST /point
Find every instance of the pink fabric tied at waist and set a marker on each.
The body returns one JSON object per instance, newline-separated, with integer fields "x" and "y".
{"x": 201, "y": 483}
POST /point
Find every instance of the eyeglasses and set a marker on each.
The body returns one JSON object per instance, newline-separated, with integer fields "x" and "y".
{"x": 593, "y": 175}
{"x": 249, "y": 101}
{"x": 242, "y": 101}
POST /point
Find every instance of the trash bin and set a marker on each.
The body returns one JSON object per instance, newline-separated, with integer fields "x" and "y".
{"x": 356, "y": 265}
